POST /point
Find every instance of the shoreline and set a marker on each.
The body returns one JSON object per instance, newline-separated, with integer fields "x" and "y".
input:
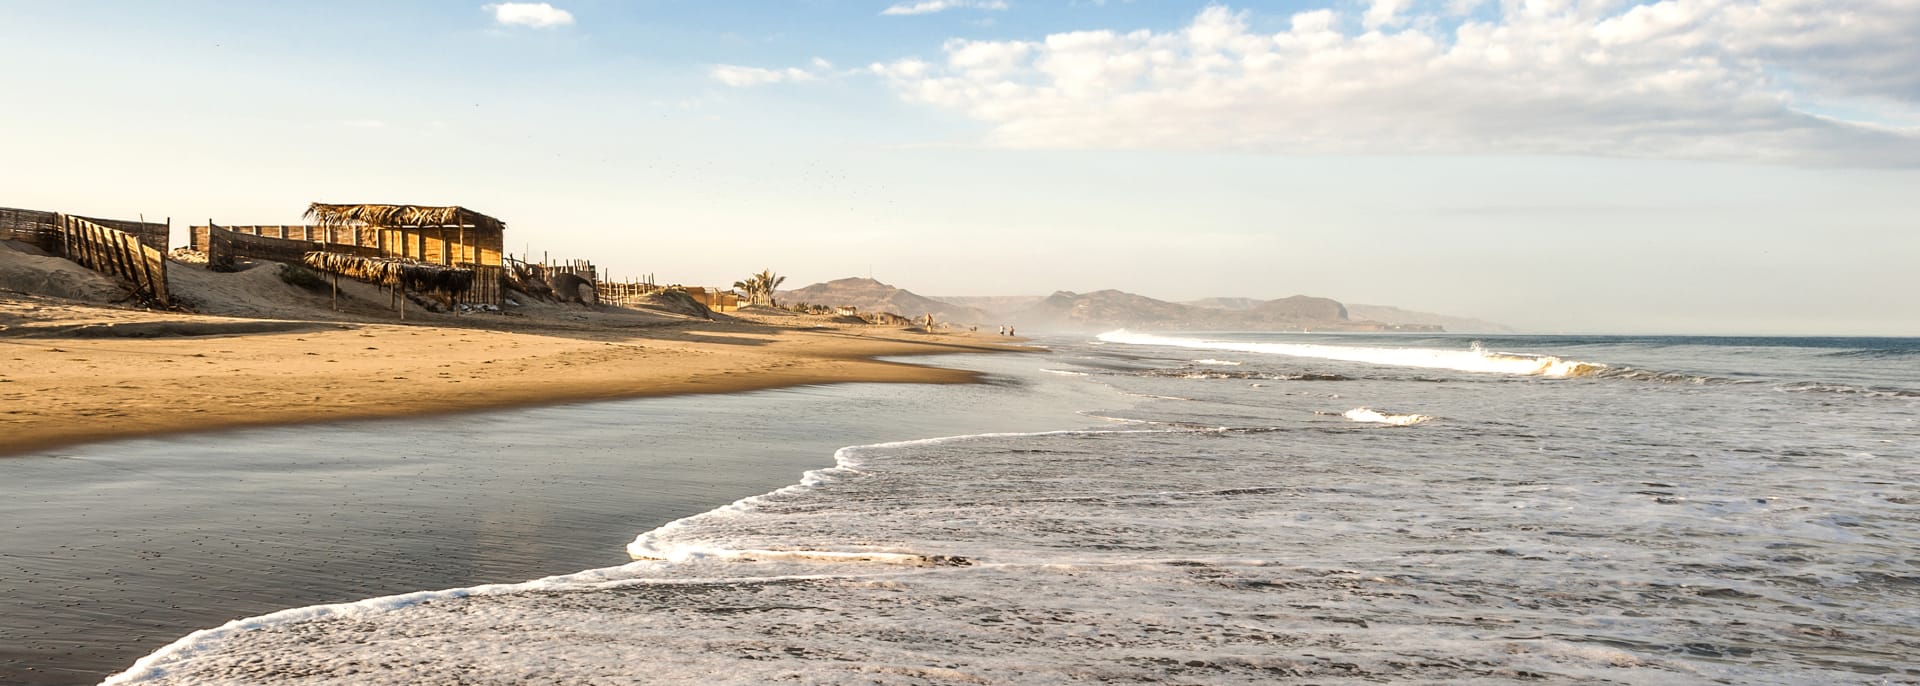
{"x": 72, "y": 375}
{"x": 257, "y": 521}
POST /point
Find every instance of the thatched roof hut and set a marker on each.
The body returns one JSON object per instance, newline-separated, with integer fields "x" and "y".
{"x": 401, "y": 216}
{"x": 450, "y": 236}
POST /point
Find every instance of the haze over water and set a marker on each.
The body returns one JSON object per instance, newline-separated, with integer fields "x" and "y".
{"x": 1232, "y": 510}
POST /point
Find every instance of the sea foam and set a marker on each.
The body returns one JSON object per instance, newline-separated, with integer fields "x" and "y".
{"x": 1475, "y": 359}
{"x": 1372, "y": 416}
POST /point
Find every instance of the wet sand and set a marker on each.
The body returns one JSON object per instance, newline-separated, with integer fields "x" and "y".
{"x": 111, "y": 550}
{"x": 283, "y": 462}
{"x": 73, "y": 373}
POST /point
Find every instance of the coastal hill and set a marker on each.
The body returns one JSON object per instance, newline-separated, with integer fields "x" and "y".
{"x": 1395, "y": 315}
{"x": 1225, "y": 303}
{"x": 996, "y": 305}
{"x": 1103, "y": 309}
{"x": 870, "y": 296}
{"x": 1112, "y": 309}
{"x": 1297, "y": 308}
{"x": 1109, "y": 309}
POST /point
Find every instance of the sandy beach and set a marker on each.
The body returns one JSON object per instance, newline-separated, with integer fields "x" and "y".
{"x": 73, "y": 373}
{"x": 235, "y": 512}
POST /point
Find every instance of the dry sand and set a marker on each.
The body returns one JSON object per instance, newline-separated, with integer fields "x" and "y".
{"x": 72, "y": 372}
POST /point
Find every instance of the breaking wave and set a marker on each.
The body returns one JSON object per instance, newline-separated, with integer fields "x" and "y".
{"x": 1187, "y": 373}
{"x": 1877, "y": 353}
{"x": 1372, "y": 416}
{"x": 1476, "y": 359}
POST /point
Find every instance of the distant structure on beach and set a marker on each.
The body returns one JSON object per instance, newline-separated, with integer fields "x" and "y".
{"x": 450, "y": 236}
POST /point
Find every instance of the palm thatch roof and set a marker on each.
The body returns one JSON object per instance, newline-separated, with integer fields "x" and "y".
{"x": 391, "y": 216}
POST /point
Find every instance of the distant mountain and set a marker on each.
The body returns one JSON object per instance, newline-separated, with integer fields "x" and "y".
{"x": 1395, "y": 315}
{"x": 1225, "y": 303}
{"x": 1104, "y": 309}
{"x": 1301, "y": 308}
{"x": 995, "y": 305}
{"x": 1111, "y": 309}
{"x": 870, "y": 296}
{"x": 1114, "y": 309}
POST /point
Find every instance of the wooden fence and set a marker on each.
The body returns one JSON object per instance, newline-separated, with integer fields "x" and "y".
{"x": 223, "y": 247}
{"x": 33, "y": 227}
{"x": 630, "y": 293}
{"x": 115, "y": 253}
{"x": 488, "y": 280}
{"x": 625, "y": 293}
{"x": 351, "y": 236}
{"x": 42, "y": 229}
{"x": 151, "y": 234}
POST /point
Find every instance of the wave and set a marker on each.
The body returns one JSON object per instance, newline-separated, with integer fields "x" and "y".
{"x": 1877, "y": 353}
{"x": 1372, "y": 416}
{"x": 1239, "y": 375}
{"x": 1063, "y": 372}
{"x": 1476, "y": 359}
{"x": 650, "y": 550}
{"x": 1845, "y": 389}
{"x": 1678, "y": 378}
{"x": 1223, "y": 363}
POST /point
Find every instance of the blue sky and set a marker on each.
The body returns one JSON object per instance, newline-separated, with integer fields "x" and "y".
{"x": 1711, "y": 166}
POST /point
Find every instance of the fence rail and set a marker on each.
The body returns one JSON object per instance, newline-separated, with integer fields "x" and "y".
{"x": 115, "y": 253}
{"x": 223, "y": 247}
{"x": 151, "y": 234}
{"x": 350, "y": 236}
{"x": 33, "y": 227}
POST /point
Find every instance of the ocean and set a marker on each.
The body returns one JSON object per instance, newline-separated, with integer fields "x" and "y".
{"x": 1236, "y": 508}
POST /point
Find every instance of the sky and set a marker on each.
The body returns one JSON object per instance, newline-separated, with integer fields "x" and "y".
{"x": 1579, "y": 166}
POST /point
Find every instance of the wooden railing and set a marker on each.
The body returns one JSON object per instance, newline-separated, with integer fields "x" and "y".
{"x": 115, "y": 253}
{"x": 224, "y": 246}
{"x": 33, "y": 227}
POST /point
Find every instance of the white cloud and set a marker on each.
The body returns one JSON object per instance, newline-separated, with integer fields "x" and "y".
{"x": 538, "y": 15}
{"x": 744, "y": 77}
{"x": 1687, "y": 79}
{"x": 931, "y": 6}
{"x": 1385, "y": 13}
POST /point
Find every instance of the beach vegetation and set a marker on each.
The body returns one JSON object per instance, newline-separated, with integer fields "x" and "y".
{"x": 759, "y": 288}
{"x": 296, "y": 275}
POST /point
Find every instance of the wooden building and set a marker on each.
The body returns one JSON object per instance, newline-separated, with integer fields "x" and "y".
{"x": 451, "y": 235}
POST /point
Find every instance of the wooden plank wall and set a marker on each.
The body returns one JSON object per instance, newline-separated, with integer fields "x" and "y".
{"x": 223, "y": 246}
{"x": 118, "y": 254}
{"x": 338, "y": 235}
{"x": 433, "y": 245}
{"x": 150, "y": 234}
{"x": 39, "y": 229}
{"x": 488, "y": 283}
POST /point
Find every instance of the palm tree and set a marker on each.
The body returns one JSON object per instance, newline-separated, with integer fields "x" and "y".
{"x": 759, "y": 287}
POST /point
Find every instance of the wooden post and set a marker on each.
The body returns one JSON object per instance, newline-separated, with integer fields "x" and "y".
{"x": 402, "y": 290}
{"x": 143, "y": 272}
{"x": 336, "y": 291}
{"x": 96, "y": 252}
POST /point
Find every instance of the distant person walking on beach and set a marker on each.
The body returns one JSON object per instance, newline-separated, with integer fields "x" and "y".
{"x": 1003, "y": 329}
